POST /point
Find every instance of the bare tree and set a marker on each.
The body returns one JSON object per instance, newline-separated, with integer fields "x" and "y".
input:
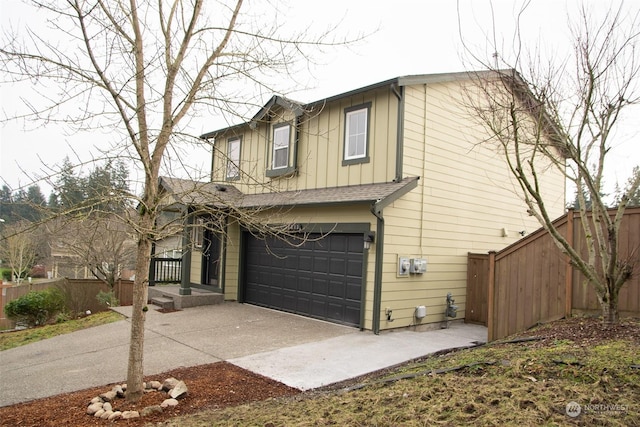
{"x": 19, "y": 248}
{"x": 565, "y": 116}
{"x": 103, "y": 244}
{"x": 144, "y": 69}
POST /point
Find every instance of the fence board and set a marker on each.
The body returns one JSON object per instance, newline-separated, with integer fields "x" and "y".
{"x": 532, "y": 281}
{"x": 585, "y": 298}
{"x": 476, "y": 309}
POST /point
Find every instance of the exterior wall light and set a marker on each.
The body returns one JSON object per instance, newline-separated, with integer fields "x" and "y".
{"x": 369, "y": 238}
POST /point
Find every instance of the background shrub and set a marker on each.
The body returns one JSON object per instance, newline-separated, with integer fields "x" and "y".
{"x": 108, "y": 299}
{"x": 36, "y": 307}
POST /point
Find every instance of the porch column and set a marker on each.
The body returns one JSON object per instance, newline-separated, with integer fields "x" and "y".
{"x": 185, "y": 269}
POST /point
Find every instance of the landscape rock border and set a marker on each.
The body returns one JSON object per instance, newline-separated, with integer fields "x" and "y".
{"x": 105, "y": 405}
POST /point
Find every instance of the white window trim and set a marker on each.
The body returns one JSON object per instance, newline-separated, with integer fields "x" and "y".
{"x": 286, "y": 128}
{"x": 233, "y": 164}
{"x": 348, "y": 114}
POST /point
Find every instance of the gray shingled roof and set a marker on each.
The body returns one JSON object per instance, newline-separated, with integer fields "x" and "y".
{"x": 197, "y": 193}
{"x": 210, "y": 194}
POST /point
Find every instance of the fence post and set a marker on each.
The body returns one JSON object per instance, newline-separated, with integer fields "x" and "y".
{"x": 490, "y": 295}
{"x": 568, "y": 276}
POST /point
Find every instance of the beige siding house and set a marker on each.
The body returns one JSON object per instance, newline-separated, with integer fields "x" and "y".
{"x": 326, "y": 208}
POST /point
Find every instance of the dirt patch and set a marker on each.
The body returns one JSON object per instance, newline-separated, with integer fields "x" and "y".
{"x": 584, "y": 331}
{"x": 216, "y": 385}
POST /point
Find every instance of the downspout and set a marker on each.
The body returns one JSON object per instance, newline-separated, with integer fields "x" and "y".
{"x": 398, "y": 91}
{"x": 377, "y": 279}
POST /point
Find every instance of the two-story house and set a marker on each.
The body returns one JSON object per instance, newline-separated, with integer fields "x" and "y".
{"x": 358, "y": 209}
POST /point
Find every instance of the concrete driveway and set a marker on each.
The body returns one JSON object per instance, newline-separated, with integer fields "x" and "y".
{"x": 298, "y": 351}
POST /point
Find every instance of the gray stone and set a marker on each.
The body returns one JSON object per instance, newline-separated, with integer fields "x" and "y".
{"x": 126, "y": 415}
{"x": 119, "y": 390}
{"x": 169, "y": 383}
{"x": 168, "y": 403}
{"x": 107, "y": 407}
{"x": 97, "y": 400}
{"x": 109, "y": 396}
{"x": 179, "y": 390}
{"x": 99, "y": 413}
{"x": 106, "y": 415}
{"x": 150, "y": 410}
{"x": 157, "y": 385}
{"x": 94, "y": 407}
{"x": 115, "y": 416}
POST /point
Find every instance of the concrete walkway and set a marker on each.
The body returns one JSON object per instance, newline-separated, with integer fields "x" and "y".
{"x": 297, "y": 351}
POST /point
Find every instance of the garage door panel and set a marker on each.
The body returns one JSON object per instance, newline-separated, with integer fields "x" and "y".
{"x": 318, "y": 309}
{"x": 352, "y": 315}
{"x": 304, "y": 284}
{"x": 353, "y": 293}
{"x": 303, "y": 304}
{"x": 338, "y": 266}
{"x": 338, "y": 243}
{"x": 320, "y": 286}
{"x": 305, "y": 263}
{"x": 321, "y": 278}
{"x": 320, "y": 264}
{"x": 336, "y": 289}
{"x": 354, "y": 268}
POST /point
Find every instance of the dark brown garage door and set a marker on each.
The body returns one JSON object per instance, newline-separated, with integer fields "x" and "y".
{"x": 322, "y": 278}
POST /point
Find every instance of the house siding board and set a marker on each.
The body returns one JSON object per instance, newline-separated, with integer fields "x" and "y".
{"x": 232, "y": 261}
{"x": 196, "y": 266}
{"x": 463, "y": 200}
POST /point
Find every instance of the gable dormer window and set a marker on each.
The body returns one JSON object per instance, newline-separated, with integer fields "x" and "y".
{"x": 233, "y": 158}
{"x": 281, "y": 151}
{"x": 356, "y": 134}
{"x": 281, "y": 141}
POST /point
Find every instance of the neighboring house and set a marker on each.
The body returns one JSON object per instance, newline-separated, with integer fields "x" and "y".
{"x": 83, "y": 248}
{"x": 377, "y": 182}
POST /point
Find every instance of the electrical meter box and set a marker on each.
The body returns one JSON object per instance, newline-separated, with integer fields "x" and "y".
{"x": 417, "y": 265}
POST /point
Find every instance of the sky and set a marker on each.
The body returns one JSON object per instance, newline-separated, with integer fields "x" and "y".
{"x": 405, "y": 37}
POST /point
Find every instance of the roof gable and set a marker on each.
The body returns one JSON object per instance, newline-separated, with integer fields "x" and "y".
{"x": 517, "y": 82}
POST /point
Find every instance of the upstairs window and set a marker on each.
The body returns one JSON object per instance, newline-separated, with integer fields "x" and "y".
{"x": 281, "y": 141}
{"x": 233, "y": 158}
{"x": 356, "y": 134}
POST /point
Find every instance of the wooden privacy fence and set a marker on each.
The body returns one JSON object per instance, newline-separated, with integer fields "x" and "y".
{"x": 532, "y": 281}
{"x": 80, "y": 294}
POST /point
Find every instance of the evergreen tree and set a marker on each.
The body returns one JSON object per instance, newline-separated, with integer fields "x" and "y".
{"x": 107, "y": 187}
{"x": 6, "y": 204}
{"x": 634, "y": 198}
{"x": 70, "y": 187}
{"x": 53, "y": 202}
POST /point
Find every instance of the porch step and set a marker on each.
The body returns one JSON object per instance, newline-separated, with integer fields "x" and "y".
{"x": 163, "y": 302}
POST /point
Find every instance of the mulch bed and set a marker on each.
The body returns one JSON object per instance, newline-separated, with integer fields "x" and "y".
{"x": 215, "y": 385}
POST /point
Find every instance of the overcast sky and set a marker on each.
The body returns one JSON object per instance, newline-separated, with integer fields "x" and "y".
{"x": 407, "y": 37}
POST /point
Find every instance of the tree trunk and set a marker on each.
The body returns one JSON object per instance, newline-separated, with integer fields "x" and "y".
{"x": 135, "y": 373}
{"x": 609, "y": 311}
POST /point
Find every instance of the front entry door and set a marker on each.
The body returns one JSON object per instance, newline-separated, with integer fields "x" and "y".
{"x": 210, "y": 258}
